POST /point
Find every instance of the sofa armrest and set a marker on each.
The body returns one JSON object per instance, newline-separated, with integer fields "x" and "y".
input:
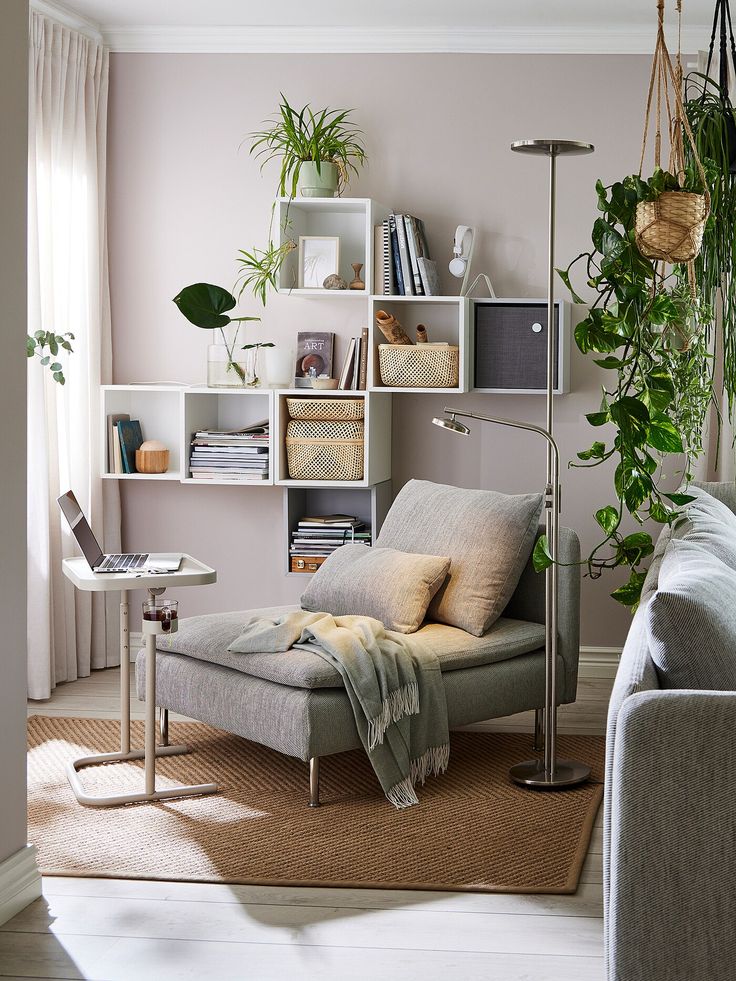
{"x": 528, "y": 602}
{"x": 671, "y": 899}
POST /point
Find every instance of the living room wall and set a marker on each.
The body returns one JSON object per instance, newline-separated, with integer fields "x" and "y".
{"x": 185, "y": 196}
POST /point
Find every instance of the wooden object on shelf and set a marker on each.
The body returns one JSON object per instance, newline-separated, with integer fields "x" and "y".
{"x": 357, "y": 283}
{"x": 419, "y": 365}
{"x": 306, "y": 563}
{"x": 392, "y": 329}
{"x": 152, "y": 457}
{"x": 422, "y": 336}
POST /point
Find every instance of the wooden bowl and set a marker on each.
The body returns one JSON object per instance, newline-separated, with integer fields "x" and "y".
{"x": 152, "y": 457}
{"x": 325, "y": 384}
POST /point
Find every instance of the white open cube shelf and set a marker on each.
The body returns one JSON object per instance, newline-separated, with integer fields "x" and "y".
{"x": 349, "y": 219}
{"x": 207, "y": 408}
{"x": 376, "y": 446}
{"x": 446, "y": 319}
{"x": 370, "y": 504}
{"x": 158, "y": 408}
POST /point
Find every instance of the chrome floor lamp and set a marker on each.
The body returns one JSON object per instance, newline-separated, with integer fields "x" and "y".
{"x": 549, "y": 772}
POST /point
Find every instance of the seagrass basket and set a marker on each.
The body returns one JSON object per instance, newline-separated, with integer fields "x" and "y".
{"x": 419, "y": 365}
{"x": 670, "y": 228}
{"x": 335, "y": 410}
{"x": 324, "y": 450}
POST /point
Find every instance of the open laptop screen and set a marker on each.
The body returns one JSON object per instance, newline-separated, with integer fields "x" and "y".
{"x": 80, "y": 528}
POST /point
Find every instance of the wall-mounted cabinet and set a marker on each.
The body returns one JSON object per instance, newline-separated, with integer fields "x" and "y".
{"x": 158, "y": 408}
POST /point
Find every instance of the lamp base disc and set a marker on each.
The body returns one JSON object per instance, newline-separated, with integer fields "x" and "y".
{"x": 567, "y": 773}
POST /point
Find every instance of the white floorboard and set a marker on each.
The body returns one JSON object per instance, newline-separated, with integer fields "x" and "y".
{"x": 129, "y": 929}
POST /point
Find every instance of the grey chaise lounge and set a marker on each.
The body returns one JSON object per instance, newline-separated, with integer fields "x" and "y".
{"x": 296, "y": 704}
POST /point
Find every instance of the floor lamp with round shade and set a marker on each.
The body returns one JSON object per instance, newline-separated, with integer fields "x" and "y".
{"x": 549, "y": 772}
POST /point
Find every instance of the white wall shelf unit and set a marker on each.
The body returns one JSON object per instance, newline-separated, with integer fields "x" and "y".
{"x": 350, "y": 219}
{"x": 370, "y": 504}
{"x": 446, "y": 319}
{"x": 377, "y": 438}
{"x": 158, "y": 407}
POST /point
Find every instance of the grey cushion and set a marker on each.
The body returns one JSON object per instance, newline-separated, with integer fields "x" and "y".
{"x": 691, "y": 620}
{"x": 488, "y": 536}
{"x": 709, "y": 523}
{"x": 393, "y": 587}
{"x": 207, "y": 637}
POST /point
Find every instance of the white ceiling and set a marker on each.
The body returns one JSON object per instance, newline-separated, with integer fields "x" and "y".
{"x": 504, "y": 25}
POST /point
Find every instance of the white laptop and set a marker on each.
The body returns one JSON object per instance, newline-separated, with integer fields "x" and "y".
{"x": 98, "y": 561}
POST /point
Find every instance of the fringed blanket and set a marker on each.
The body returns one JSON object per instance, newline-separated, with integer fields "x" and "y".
{"x": 394, "y": 684}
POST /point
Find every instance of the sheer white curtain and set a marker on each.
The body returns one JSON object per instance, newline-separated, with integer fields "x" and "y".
{"x": 68, "y": 633}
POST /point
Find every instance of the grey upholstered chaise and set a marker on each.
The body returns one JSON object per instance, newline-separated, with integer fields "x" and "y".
{"x": 296, "y": 703}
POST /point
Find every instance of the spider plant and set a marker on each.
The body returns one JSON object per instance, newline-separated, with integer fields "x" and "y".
{"x": 296, "y": 136}
{"x": 259, "y": 268}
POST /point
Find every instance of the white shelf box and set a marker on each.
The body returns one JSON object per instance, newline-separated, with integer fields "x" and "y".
{"x": 446, "y": 319}
{"x": 158, "y": 408}
{"x": 220, "y": 408}
{"x": 376, "y": 446}
{"x": 370, "y": 504}
{"x": 349, "y": 219}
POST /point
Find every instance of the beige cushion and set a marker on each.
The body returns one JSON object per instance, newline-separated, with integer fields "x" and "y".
{"x": 207, "y": 638}
{"x": 393, "y": 587}
{"x": 488, "y": 537}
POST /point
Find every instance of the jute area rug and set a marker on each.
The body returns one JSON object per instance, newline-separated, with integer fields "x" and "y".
{"x": 472, "y": 830}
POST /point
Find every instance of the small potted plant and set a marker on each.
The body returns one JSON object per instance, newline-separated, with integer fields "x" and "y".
{"x": 318, "y": 150}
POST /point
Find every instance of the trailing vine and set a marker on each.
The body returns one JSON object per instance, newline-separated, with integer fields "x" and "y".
{"x": 648, "y": 327}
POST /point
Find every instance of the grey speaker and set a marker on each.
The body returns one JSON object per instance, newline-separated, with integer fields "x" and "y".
{"x": 510, "y": 346}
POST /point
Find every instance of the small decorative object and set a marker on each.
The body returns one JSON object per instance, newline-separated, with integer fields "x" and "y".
{"x": 225, "y": 369}
{"x": 391, "y": 328}
{"x": 324, "y": 383}
{"x": 419, "y": 365}
{"x": 357, "y": 283}
{"x": 422, "y": 336}
{"x": 278, "y": 366}
{"x": 319, "y": 257}
{"x": 313, "y": 354}
{"x": 335, "y": 282}
{"x": 152, "y": 457}
{"x": 162, "y": 611}
{"x": 252, "y": 353}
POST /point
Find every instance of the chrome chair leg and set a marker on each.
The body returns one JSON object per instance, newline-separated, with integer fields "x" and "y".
{"x": 314, "y": 781}
{"x": 163, "y": 726}
{"x": 538, "y": 730}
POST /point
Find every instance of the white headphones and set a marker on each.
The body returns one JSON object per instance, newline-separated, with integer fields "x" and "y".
{"x": 462, "y": 250}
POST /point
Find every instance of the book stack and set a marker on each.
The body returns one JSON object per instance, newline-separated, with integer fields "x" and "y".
{"x": 124, "y": 437}
{"x": 403, "y": 265}
{"x": 354, "y": 374}
{"x": 238, "y": 455}
{"x": 317, "y": 537}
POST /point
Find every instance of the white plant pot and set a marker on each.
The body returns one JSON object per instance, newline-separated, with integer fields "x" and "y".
{"x": 318, "y": 185}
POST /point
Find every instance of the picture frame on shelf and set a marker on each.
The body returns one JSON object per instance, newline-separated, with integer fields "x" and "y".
{"x": 319, "y": 257}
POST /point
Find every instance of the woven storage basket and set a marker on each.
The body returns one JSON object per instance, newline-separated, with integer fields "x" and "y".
{"x": 670, "y": 228}
{"x": 419, "y": 365}
{"x": 334, "y": 410}
{"x": 321, "y": 450}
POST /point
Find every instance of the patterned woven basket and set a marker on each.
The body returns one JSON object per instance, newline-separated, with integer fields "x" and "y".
{"x": 321, "y": 450}
{"x": 670, "y": 228}
{"x": 334, "y": 410}
{"x": 419, "y": 365}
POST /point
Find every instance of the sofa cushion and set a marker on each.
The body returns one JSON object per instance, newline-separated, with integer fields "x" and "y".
{"x": 488, "y": 537}
{"x": 691, "y": 620}
{"x": 207, "y": 638}
{"x": 393, "y": 587}
{"x": 708, "y": 523}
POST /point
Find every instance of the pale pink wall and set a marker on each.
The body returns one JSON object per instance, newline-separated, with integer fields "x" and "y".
{"x": 184, "y": 198}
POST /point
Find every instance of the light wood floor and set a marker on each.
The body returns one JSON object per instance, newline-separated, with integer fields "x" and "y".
{"x": 130, "y": 930}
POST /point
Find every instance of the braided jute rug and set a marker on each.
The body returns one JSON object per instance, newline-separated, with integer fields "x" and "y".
{"x": 472, "y": 830}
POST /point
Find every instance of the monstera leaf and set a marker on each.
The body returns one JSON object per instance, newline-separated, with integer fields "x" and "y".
{"x": 205, "y": 305}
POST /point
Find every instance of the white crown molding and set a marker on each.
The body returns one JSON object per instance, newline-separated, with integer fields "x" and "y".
{"x": 352, "y": 40}
{"x": 69, "y": 18}
{"x": 20, "y": 882}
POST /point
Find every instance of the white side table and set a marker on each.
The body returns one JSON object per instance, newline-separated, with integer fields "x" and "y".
{"x": 191, "y": 573}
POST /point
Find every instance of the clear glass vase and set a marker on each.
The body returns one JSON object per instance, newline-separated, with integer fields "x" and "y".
{"x": 223, "y": 372}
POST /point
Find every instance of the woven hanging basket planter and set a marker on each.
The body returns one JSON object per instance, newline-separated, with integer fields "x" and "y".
{"x": 670, "y": 228}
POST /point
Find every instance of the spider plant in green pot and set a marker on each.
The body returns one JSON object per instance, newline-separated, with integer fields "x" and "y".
{"x": 318, "y": 149}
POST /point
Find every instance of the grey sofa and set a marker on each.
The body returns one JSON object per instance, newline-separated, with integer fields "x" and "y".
{"x": 670, "y": 816}
{"x": 296, "y": 704}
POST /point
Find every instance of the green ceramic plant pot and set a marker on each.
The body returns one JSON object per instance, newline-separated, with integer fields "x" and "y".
{"x": 317, "y": 185}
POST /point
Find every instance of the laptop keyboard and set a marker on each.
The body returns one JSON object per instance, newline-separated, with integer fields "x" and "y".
{"x": 123, "y": 563}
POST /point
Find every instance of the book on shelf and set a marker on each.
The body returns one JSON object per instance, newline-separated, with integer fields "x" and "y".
{"x": 429, "y": 276}
{"x": 363, "y": 374}
{"x": 318, "y": 536}
{"x": 337, "y": 520}
{"x": 383, "y": 270}
{"x": 415, "y": 251}
{"x": 356, "y": 364}
{"x": 131, "y": 437}
{"x": 346, "y": 375}
{"x": 314, "y": 351}
{"x": 306, "y": 563}
{"x": 395, "y": 257}
{"x": 414, "y": 273}
{"x": 114, "y": 454}
{"x": 406, "y": 273}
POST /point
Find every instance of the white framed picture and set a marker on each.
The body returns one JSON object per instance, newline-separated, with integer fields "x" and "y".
{"x": 319, "y": 257}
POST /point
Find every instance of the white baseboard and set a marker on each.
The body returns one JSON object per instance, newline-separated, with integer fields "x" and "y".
{"x": 20, "y": 882}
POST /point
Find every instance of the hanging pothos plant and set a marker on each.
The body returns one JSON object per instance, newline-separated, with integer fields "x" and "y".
{"x": 647, "y": 327}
